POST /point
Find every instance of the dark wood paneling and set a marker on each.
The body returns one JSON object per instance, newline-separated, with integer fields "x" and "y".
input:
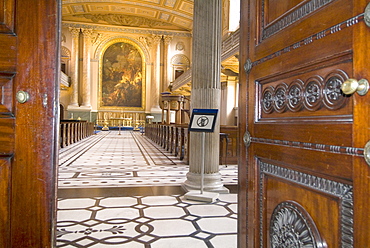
{"x": 278, "y": 190}
{"x": 315, "y": 151}
{"x": 6, "y": 16}
{"x": 5, "y": 201}
{"x": 8, "y": 53}
{"x": 33, "y": 168}
{"x": 276, "y": 8}
{"x": 307, "y": 161}
{"x": 298, "y": 25}
{"x": 7, "y": 136}
{"x": 6, "y": 95}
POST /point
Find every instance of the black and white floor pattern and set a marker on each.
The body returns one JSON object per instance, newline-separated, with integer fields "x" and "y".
{"x": 124, "y": 191}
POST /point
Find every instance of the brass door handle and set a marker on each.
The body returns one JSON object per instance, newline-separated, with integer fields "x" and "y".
{"x": 351, "y": 86}
{"x": 22, "y": 96}
{"x": 367, "y": 153}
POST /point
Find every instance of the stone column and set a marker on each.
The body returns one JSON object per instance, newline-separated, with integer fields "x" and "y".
{"x": 166, "y": 40}
{"x": 74, "y": 67}
{"x": 86, "y": 75}
{"x": 156, "y": 73}
{"x": 206, "y": 94}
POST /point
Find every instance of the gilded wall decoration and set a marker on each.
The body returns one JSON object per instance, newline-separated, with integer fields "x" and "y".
{"x": 122, "y": 84}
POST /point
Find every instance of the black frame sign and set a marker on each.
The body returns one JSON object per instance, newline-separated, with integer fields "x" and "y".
{"x": 203, "y": 120}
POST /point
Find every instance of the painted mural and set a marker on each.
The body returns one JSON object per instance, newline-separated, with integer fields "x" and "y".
{"x": 122, "y": 76}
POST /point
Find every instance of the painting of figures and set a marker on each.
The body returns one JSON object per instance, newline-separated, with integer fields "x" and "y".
{"x": 122, "y": 76}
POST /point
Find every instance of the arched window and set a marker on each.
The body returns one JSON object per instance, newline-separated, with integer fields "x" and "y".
{"x": 65, "y": 58}
{"x": 180, "y": 63}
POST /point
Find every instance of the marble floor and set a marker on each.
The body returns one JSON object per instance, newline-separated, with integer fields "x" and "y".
{"x": 119, "y": 189}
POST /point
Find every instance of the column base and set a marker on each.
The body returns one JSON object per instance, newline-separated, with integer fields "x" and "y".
{"x": 73, "y": 106}
{"x": 212, "y": 183}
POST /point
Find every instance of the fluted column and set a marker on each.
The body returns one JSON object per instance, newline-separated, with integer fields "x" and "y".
{"x": 166, "y": 40}
{"x": 74, "y": 67}
{"x": 86, "y": 75}
{"x": 156, "y": 73}
{"x": 206, "y": 94}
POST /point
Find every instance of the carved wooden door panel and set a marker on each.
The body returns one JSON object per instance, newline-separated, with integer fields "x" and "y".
{"x": 303, "y": 178}
{"x": 29, "y": 63}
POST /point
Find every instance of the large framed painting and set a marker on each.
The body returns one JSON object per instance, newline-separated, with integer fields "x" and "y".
{"x": 122, "y": 76}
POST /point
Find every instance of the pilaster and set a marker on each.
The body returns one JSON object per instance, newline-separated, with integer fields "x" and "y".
{"x": 74, "y": 67}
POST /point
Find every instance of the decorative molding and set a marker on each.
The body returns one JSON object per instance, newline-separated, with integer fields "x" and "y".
{"x": 75, "y": 32}
{"x": 126, "y": 20}
{"x": 334, "y": 29}
{"x": 310, "y": 95}
{"x": 180, "y": 59}
{"x": 312, "y": 146}
{"x": 127, "y": 30}
{"x": 336, "y": 189}
{"x": 292, "y": 226}
{"x": 102, "y": 44}
{"x": 65, "y": 52}
{"x": 167, "y": 39}
{"x": 180, "y": 46}
{"x": 292, "y": 17}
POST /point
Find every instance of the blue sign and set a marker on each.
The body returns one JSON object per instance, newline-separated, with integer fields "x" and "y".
{"x": 203, "y": 120}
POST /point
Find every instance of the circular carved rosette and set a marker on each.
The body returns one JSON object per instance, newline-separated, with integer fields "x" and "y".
{"x": 295, "y": 95}
{"x": 333, "y": 96}
{"x": 280, "y": 98}
{"x": 267, "y": 100}
{"x": 313, "y": 93}
{"x": 291, "y": 226}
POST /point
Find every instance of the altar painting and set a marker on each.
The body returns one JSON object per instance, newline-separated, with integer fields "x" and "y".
{"x": 122, "y": 77}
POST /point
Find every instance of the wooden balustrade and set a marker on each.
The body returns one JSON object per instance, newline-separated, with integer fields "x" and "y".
{"x": 72, "y": 131}
{"x": 175, "y": 139}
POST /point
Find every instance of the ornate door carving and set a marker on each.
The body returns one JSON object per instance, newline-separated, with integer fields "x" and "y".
{"x": 303, "y": 178}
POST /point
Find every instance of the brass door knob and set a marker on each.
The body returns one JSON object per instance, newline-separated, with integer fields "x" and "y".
{"x": 351, "y": 86}
{"x": 22, "y": 96}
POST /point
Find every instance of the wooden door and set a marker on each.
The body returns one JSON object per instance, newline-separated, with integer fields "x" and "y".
{"x": 28, "y": 62}
{"x": 303, "y": 178}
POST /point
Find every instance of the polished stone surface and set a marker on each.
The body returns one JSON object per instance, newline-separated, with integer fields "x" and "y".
{"x": 124, "y": 191}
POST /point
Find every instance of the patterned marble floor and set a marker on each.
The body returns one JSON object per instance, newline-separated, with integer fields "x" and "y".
{"x": 124, "y": 191}
{"x": 129, "y": 159}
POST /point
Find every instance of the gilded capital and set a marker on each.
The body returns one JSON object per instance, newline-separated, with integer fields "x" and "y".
{"x": 87, "y": 32}
{"x": 74, "y": 31}
{"x": 167, "y": 39}
{"x": 156, "y": 38}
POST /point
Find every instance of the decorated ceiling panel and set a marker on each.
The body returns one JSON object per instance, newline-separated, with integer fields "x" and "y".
{"x": 163, "y": 14}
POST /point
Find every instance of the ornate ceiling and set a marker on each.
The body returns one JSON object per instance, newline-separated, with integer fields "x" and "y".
{"x": 176, "y": 15}
{"x": 157, "y": 14}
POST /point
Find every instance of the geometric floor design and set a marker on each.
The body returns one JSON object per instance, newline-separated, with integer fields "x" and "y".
{"x": 124, "y": 191}
{"x": 147, "y": 221}
{"x": 129, "y": 159}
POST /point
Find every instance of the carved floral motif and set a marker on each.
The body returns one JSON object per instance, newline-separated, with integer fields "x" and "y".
{"x": 311, "y": 95}
{"x": 291, "y": 226}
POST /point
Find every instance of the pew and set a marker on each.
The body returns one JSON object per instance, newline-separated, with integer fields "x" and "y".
{"x": 174, "y": 138}
{"x": 72, "y": 131}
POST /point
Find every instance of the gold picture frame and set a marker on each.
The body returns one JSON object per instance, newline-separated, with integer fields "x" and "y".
{"x": 122, "y": 76}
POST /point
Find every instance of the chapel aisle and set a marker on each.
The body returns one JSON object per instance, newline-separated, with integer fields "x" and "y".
{"x": 118, "y": 189}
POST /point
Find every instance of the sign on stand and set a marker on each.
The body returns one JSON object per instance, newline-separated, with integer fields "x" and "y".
{"x": 202, "y": 120}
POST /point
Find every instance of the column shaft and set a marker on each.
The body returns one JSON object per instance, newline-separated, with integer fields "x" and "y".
{"x": 74, "y": 67}
{"x": 86, "y": 75}
{"x": 206, "y": 93}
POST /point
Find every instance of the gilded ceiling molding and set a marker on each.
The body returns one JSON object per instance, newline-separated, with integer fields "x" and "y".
{"x": 127, "y": 30}
{"x": 136, "y": 4}
{"x": 125, "y": 20}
